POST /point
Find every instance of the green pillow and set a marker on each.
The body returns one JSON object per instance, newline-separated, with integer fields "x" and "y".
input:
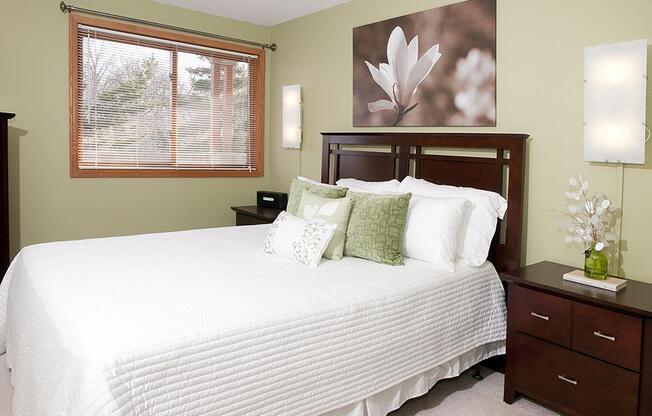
{"x": 377, "y": 226}
{"x": 298, "y": 186}
{"x": 313, "y": 207}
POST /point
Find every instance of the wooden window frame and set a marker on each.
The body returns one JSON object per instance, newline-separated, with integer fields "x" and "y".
{"x": 76, "y": 172}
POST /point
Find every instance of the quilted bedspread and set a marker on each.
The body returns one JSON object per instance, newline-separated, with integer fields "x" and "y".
{"x": 205, "y": 323}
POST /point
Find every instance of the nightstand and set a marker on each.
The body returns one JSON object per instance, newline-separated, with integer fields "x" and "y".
{"x": 251, "y": 215}
{"x": 577, "y": 349}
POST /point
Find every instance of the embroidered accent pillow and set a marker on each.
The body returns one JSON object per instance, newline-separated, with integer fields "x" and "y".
{"x": 377, "y": 227}
{"x": 302, "y": 184}
{"x": 297, "y": 239}
{"x": 315, "y": 208}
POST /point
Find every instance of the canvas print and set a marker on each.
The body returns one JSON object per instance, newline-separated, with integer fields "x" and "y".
{"x": 432, "y": 68}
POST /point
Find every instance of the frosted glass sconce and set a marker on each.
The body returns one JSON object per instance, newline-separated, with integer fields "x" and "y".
{"x": 615, "y": 77}
{"x": 291, "y": 117}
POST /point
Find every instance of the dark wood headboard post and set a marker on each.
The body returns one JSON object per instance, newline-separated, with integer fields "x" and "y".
{"x": 385, "y": 156}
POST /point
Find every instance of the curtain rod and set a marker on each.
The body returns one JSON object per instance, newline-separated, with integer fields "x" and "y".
{"x": 67, "y": 8}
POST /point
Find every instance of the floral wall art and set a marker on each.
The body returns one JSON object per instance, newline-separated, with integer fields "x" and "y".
{"x": 432, "y": 68}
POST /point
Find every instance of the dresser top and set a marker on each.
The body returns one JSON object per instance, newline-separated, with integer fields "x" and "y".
{"x": 258, "y": 212}
{"x": 636, "y": 298}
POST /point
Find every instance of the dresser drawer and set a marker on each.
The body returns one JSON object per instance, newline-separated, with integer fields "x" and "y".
{"x": 608, "y": 335}
{"x": 242, "y": 219}
{"x": 577, "y": 383}
{"x": 542, "y": 315}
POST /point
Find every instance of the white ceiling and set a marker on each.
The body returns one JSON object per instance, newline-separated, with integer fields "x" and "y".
{"x": 260, "y": 12}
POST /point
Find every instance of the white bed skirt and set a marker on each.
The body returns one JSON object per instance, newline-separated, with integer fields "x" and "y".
{"x": 388, "y": 400}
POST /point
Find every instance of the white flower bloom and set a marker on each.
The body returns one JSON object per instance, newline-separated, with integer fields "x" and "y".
{"x": 403, "y": 73}
{"x": 599, "y": 246}
{"x": 591, "y": 222}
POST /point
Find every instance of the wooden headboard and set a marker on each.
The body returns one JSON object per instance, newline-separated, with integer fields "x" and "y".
{"x": 499, "y": 166}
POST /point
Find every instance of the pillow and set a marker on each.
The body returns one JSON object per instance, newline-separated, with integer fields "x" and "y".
{"x": 480, "y": 220}
{"x": 301, "y": 184}
{"x": 377, "y": 227}
{"x": 314, "y": 182}
{"x": 315, "y": 208}
{"x": 386, "y": 186}
{"x": 433, "y": 228}
{"x": 297, "y": 239}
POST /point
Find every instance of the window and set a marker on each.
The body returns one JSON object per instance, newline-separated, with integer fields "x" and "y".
{"x": 154, "y": 103}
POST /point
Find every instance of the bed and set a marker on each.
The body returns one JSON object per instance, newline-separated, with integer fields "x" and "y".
{"x": 203, "y": 322}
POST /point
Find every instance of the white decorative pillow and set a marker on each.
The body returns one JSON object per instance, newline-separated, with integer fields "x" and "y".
{"x": 433, "y": 229}
{"x": 480, "y": 219}
{"x": 358, "y": 185}
{"x": 298, "y": 239}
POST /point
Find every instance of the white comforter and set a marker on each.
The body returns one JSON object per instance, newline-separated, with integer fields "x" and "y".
{"x": 203, "y": 322}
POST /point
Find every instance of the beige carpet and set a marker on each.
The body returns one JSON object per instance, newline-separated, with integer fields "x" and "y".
{"x": 461, "y": 396}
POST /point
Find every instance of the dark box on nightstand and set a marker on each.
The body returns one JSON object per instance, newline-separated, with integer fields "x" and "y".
{"x": 269, "y": 199}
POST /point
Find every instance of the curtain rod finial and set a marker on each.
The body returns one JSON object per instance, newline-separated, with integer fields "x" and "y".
{"x": 272, "y": 47}
{"x": 64, "y": 8}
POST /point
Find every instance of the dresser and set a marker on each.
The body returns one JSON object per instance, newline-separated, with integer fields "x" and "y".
{"x": 4, "y": 192}
{"x": 577, "y": 349}
{"x": 252, "y": 214}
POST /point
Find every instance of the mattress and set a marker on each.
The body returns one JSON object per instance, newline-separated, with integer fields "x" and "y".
{"x": 204, "y": 322}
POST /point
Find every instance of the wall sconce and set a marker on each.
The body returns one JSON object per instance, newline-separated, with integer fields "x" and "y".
{"x": 615, "y": 77}
{"x": 292, "y": 117}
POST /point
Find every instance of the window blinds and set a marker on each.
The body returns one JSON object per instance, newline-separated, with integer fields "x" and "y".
{"x": 153, "y": 104}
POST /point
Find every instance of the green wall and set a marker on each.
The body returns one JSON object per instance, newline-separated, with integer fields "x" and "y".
{"x": 540, "y": 49}
{"x": 46, "y": 204}
{"x": 540, "y": 57}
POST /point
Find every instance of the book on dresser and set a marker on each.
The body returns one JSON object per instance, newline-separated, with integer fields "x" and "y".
{"x": 578, "y": 349}
{"x": 611, "y": 283}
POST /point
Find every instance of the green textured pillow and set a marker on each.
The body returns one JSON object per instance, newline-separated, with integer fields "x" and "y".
{"x": 313, "y": 207}
{"x": 298, "y": 186}
{"x": 377, "y": 226}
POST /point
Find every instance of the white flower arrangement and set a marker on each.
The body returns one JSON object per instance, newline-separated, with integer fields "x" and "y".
{"x": 590, "y": 217}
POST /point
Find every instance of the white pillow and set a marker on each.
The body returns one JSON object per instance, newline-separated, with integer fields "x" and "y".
{"x": 433, "y": 228}
{"x": 297, "y": 239}
{"x": 356, "y": 184}
{"x": 480, "y": 219}
{"x": 313, "y": 182}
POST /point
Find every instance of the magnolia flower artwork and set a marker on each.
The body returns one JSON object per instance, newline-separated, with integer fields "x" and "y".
{"x": 403, "y": 73}
{"x": 432, "y": 68}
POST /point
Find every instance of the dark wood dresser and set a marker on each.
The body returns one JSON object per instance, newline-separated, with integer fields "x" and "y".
{"x": 4, "y": 192}
{"x": 251, "y": 215}
{"x": 577, "y": 349}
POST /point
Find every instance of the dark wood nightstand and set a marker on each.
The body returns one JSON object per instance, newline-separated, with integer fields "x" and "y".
{"x": 578, "y": 349}
{"x": 251, "y": 215}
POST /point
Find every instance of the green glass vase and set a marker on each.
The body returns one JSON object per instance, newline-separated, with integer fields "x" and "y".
{"x": 595, "y": 264}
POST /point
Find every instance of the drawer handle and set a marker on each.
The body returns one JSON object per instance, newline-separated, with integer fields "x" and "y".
{"x": 567, "y": 380}
{"x": 601, "y": 335}
{"x": 537, "y": 315}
